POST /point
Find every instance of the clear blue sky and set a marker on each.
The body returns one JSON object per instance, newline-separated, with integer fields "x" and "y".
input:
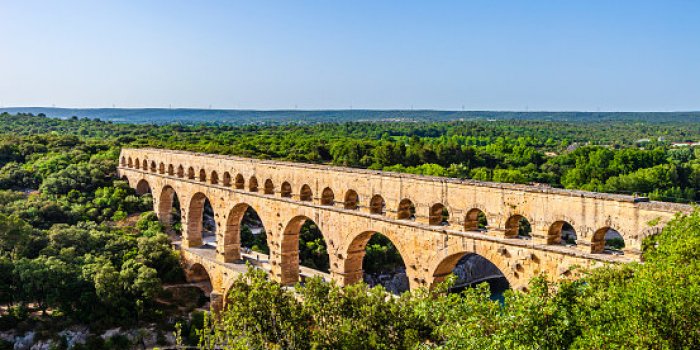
{"x": 586, "y": 55}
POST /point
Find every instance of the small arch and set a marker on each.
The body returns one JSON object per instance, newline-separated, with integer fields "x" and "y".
{"x": 439, "y": 215}
{"x": 202, "y": 175}
{"x": 377, "y": 205}
{"x": 161, "y": 168}
{"x": 171, "y": 170}
{"x": 475, "y": 220}
{"x": 190, "y": 173}
{"x": 130, "y": 163}
{"x": 306, "y": 195}
{"x": 145, "y": 165}
{"x": 561, "y": 232}
{"x": 253, "y": 184}
{"x": 518, "y": 226}
{"x": 406, "y": 210}
{"x": 214, "y": 178}
{"x": 180, "y": 171}
{"x": 352, "y": 200}
{"x": 124, "y": 178}
{"x": 607, "y": 240}
{"x": 227, "y": 179}
{"x": 269, "y": 187}
{"x": 327, "y": 197}
{"x": 123, "y": 161}
{"x": 138, "y": 164}
{"x": 153, "y": 166}
{"x": 286, "y": 190}
{"x": 240, "y": 182}
{"x": 143, "y": 187}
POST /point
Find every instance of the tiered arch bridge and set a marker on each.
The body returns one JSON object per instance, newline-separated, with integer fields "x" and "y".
{"x": 433, "y": 222}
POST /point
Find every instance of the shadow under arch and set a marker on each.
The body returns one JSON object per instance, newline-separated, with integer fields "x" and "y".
{"x": 143, "y": 187}
{"x": 199, "y": 211}
{"x": 302, "y": 231}
{"x": 243, "y": 217}
{"x": 561, "y": 232}
{"x": 471, "y": 269}
{"x": 169, "y": 211}
{"x": 198, "y": 276}
{"x": 607, "y": 240}
{"x": 371, "y": 254}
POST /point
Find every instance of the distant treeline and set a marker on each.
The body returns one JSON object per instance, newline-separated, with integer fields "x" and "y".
{"x": 274, "y": 117}
{"x": 605, "y": 156}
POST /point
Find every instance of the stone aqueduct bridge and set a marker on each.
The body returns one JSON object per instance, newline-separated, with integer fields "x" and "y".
{"x": 350, "y": 205}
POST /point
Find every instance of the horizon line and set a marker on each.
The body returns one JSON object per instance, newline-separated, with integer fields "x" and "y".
{"x": 351, "y": 109}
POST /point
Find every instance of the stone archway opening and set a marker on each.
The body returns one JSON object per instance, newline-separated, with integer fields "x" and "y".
{"x": 198, "y": 277}
{"x": 180, "y": 171}
{"x": 214, "y": 178}
{"x": 130, "y": 163}
{"x": 171, "y": 170}
{"x": 138, "y": 164}
{"x": 377, "y": 205}
{"x": 269, "y": 187}
{"x": 518, "y": 226}
{"x": 190, "y": 173}
{"x": 169, "y": 212}
{"x": 227, "y": 179}
{"x": 253, "y": 184}
{"x": 374, "y": 259}
{"x": 475, "y": 220}
{"x": 202, "y": 175}
{"x": 303, "y": 244}
{"x": 327, "y": 197}
{"x": 143, "y": 188}
{"x": 286, "y": 190}
{"x": 406, "y": 210}
{"x": 153, "y": 166}
{"x": 471, "y": 270}
{"x": 607, "y": 240}
{"x": 253, "y": 234}
{"x": 439, "y": 215}
{"x": 306, "y": 195}
{"x": 239, "y": 184}
{"x": 161, "y": 168}
{"x": 352, "y": 200}
{"x": 201, "y": 226}
{"x": 245, "y": 236}
{"x": 562, "y": 232}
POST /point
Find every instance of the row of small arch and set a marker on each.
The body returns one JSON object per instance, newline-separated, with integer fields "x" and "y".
{"x": 437, "y": 216}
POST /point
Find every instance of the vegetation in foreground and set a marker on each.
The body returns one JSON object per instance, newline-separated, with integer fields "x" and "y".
{"x": 653, "y": 305}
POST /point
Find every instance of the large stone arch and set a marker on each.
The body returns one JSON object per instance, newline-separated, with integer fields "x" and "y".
{"x": 350, "y": 270}
{"x": 165, "y": 205}
{"x": 192, "y": 237}
{"x": 143, "y": 187}
{"x": 229, "y": 245}
{"x": 289, "y": 249}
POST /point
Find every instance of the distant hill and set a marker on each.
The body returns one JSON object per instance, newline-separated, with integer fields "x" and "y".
{"x": 238, "y": 117}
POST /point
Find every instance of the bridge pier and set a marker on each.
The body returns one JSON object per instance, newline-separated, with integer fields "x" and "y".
{"x": 216, "y": 301}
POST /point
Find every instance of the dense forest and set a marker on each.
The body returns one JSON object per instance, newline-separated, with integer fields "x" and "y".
{"x": 630, "y": 157}
{"x": 78, "y": 246}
